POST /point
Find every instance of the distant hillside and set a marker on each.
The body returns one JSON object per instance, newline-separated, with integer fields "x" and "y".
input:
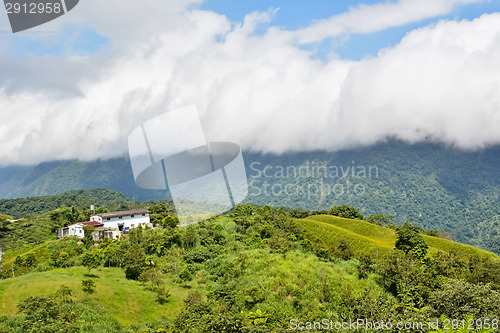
{"x": 80, "y": 198}
{"x": 56, "y": 177}
{"x": 433, "y": 186}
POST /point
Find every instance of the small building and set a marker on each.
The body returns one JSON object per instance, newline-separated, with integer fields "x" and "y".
{"x": 100, "y": 233}
{"x": 76, "y": 229}
{"x": 108, "y": 225}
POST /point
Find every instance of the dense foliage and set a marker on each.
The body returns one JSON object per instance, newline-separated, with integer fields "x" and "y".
{"x": 254, "y": 271}
{"x": 79, "y": 198}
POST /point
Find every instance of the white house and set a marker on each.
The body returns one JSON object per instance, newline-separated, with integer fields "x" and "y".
{"x": 76, "y": 229}
{"x": 109, "y": 225}
{"x": 123, "y": 220}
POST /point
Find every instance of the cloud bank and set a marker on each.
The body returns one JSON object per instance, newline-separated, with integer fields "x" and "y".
{"x": 261, "y": 90}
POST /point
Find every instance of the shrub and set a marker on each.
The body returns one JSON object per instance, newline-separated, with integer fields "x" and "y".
{"x": 88, "y": 285}
{"x": 162, "y": 295}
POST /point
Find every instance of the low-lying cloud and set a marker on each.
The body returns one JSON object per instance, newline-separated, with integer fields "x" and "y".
{"x": 261, "y": 90}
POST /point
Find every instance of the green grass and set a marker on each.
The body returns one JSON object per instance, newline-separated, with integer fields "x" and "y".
{"x": 126, "y": 300}
{"x": 301, "y": 273}
{"x": 366, "y": 237}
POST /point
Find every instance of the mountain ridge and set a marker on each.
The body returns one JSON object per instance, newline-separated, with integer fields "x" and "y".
{"x": 432, "y": 185}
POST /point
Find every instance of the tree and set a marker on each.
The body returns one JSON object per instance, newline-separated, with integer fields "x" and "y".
{"x": 152, "y": 275}
{"x": 406, "y": 278}
{"x": 29, "y": 261}
{"x": 64, "y": 292}
{"x": 110, "y": 254}
{"x": 299, "y": 213}
{"x": 88, "y": 240}
{"x": 72, "y": 214}
{"x": 134, "y": 262}
{"x": 4, "y": 224}
{"x": 347, "y": 212}
{"x": 62, "y": 259}
{"x": 459, "y": 298}
{"x": 18, "y": 262}
{"x": 88, "y": 285}
{"x": 170, "y": 221}
{"x": 185, "y": 276}
{"x": 346, "y": 250}
{"x": 162, "y": 295}
{"x": 379, "y": 219}
{"x": 90, "y": 260}
{"x": 190, "y": 237}
{"x": 410, "y": 240}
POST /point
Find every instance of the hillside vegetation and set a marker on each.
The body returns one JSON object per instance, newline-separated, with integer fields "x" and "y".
{"x": 435, "y": 186}
{"x": 367, "y": 237}
{"x": 126, "y": 300}
{"x": 254, "y": 270}
{"x": 20, "y": 207}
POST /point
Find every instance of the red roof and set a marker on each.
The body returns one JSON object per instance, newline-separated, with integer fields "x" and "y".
{"x": 88, "y": 224}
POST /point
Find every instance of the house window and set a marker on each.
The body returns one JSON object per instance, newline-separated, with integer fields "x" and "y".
{"x": 109, "y": 218}
{"x": 131, "y": 215}
{"x": 120, "y": 217}
{"x": 143, "y": 214}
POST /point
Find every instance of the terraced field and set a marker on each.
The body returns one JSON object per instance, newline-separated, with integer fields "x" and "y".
{"x": 366, "y": 237}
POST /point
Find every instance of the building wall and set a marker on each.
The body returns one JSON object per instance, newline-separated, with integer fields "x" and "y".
{"x": 76, "y": 230}
{"x": 96, "y": 218}
{"x": 124, "y": 222}
{"x": 62, "y": 232}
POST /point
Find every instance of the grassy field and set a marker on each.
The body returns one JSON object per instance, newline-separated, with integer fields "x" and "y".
{"x": 367, "y": 237}
{"x": 123, "y": 299}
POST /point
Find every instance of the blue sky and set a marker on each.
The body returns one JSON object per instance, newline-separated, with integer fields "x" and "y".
{"x": 73, "y": 38}
{"x": 294, "y": 14}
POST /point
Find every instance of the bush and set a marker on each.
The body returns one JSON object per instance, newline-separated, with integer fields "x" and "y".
{"x": 162, "y": 295}
{"x": 88, "y": 285}
{"x": 44, "y": 267}
{"x": 346, "y": 250}
{"x": 347, "y": 212}
{"x": 185, "y": 275}
{"x": 410, "y": 240}
{"x": 460, "y": 298}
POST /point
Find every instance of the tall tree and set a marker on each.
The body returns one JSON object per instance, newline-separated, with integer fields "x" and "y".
{"x": 410, "y": 240}
{"x": 91, "y": 260}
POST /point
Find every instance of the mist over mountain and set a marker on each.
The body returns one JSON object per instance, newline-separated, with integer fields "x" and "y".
{"x": 432, "y": 185}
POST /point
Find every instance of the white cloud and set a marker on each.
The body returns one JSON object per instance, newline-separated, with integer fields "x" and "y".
{"x": 262, "y": 91}
{"x": 372, "y": 18}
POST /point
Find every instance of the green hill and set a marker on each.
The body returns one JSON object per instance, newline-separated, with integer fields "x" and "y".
{"x": 366, "y": 237}
{"x": 126, "y": 300}
{"x": 252, "y": 271}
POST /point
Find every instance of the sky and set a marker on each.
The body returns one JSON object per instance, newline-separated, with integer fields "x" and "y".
{"x": 273, "y": 76}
